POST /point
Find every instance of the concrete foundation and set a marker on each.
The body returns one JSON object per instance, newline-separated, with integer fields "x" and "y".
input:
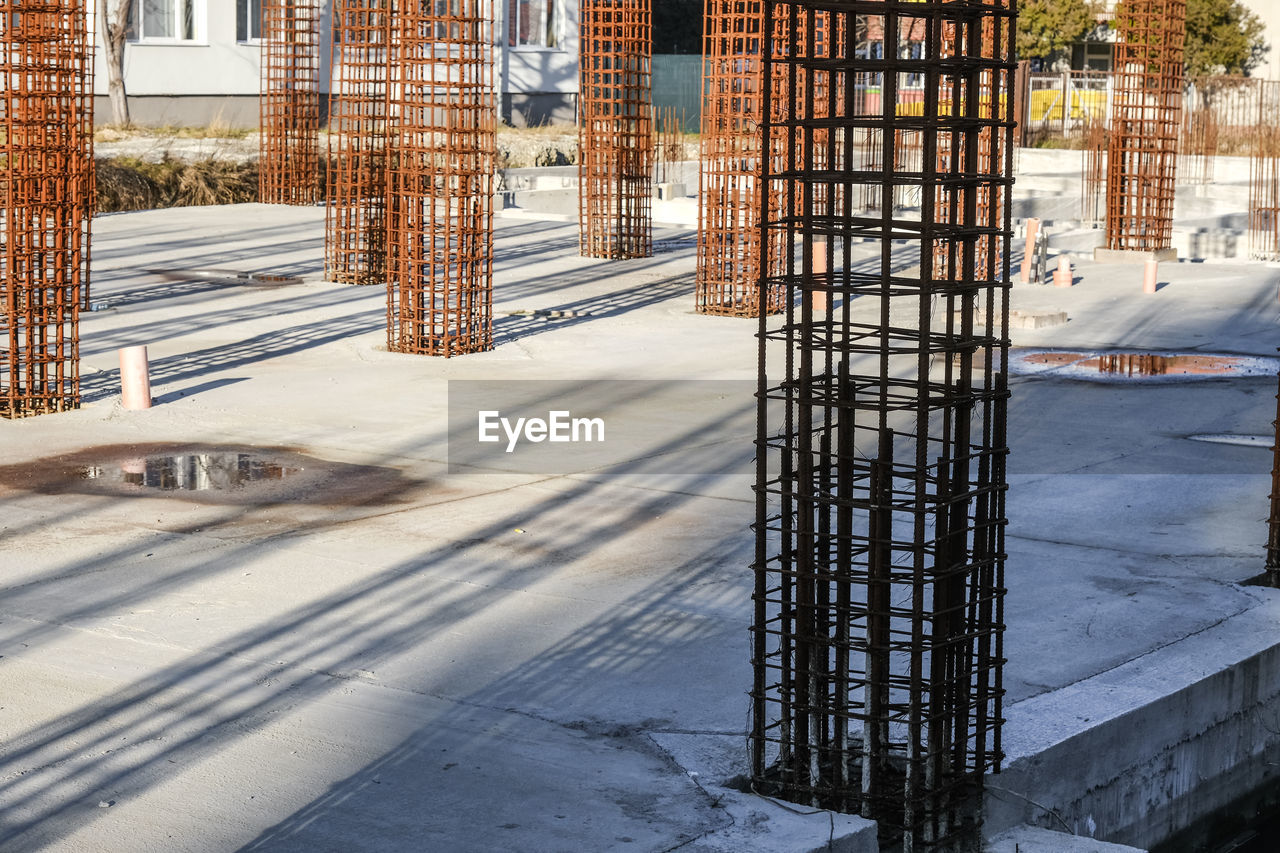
{"x": 1103, "y": 255}
{"x": 417, "y": 658}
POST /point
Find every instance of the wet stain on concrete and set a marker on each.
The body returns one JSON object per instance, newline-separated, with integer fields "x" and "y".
{"x": 210, "y": 474}
{"x": 1134, "y": 366}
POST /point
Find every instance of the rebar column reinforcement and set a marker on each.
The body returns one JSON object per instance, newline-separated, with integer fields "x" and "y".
{"x": 46, "y": 156}
{"x": 289, "y": 103}
{"x": 615, "y": 130}
{"x": 729, "y": 217}
{"x": 1142, "y": 159}
{"x": 881, "y": 445}
{"x": 1264, "y": 175}
{"x": 355, "y": 233}
{"x": 441, "y": 174}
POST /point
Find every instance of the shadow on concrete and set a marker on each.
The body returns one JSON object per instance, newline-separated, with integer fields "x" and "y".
{"x": 189, "y": 710}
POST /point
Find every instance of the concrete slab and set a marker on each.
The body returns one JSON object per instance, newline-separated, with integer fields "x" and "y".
{"x": 1031, "y": 839}
{"x": 1103, "y": 255}
{"x": 497, "y": 660}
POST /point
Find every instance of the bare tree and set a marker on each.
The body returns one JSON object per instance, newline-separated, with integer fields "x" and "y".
{"x": 115, "y": 26}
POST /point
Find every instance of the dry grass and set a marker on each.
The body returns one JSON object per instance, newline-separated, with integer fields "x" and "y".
{"x": 548, "y": 145}
{"x": 127, "y": 183}
{"x": 216, "y": 129}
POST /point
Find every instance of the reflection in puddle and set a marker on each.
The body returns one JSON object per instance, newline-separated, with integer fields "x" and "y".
{"x": 1138, "y": 365}
{"x": 191, "y": 472}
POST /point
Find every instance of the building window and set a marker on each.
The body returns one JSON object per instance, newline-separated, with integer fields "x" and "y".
{"x": 531, "y": 23}
{"x": 249, "y": 20}
{"x": 165, "y": 20}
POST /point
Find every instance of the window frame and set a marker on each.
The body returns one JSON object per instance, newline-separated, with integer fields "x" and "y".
{"x": 253, "y": 23}
{"x": 554, "y": 29}
{"x": 199, "y": 25}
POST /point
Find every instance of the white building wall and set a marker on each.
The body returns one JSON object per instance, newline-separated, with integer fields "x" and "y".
{"x": 217, "y": 78}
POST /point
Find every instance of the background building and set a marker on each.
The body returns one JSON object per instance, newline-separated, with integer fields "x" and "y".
{"x": 195, "y": 62}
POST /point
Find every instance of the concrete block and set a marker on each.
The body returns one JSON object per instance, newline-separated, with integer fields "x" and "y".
{"x": 1034, "y": 839}
{"x": 669, "y": 190}
{"x": 1104, "y": 255}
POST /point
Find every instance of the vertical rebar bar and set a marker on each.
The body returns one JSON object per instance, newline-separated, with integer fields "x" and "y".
{"x": 46, "y": 156}
{"x": 1146, "y": 111}
{"x": 877, "y": 637}
{"x": 355, "y": 237}
{"x": 289, "y": 103}
{"x": 440, "y": 174}
{"x": 615, "y": 129}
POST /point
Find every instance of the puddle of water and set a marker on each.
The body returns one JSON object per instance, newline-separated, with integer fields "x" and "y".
{"x": 209, "y": 474}
{"x": 190, "y": 472}
{"x": 1139, "y": 366}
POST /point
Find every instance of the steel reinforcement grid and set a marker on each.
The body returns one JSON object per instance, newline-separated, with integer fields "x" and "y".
{"x": 1264, "y": 173}
{"x": 355, "y": 224}
{"x": 615, "y": 130}
{"x": 441, "y": 179}
{"x": 46, "y": 156}
{"x": 1142, "y": 158}
{"x": 729, "y": 248}
{"x": 289, "y": 103}
{"x": 881, "y": 451}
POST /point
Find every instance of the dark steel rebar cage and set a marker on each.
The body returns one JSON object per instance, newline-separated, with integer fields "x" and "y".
{"x": 441, "y": 178}
{"x": 1142, "y": 159}
{"x": 46, "y": 156}
{"x": 729, "y": 215}
{"x": 615, "y": 129}
{"x": 289, "y": 103}
{"x": 881, "y": 451}
{"x": 355, "y": 241}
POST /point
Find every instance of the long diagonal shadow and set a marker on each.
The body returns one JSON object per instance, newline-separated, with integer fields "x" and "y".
{"x": 312, "y": 647}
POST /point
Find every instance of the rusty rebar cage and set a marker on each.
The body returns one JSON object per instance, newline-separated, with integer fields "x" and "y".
{"x": 877, "y": 634}
{"x": 441, "y": 175}
{"x": 289, "y": 103}
{"x": 729, "y": 215}
{"x": 355, "y": 235}
{"x": 1146, "y": 109}
{"x": 615, "y": 129}
{"x": 1264, "y": 176}
{"x": 46, "y": 156}
{"x": 1093, "y": 170}
{"x": 1199, "y": 133}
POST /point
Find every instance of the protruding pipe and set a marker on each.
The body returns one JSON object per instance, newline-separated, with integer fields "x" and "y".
{"x": 1149, "y": 275}
{"x": 135, "y": 378}
{"x": 1062, "y": 277}
{"x": 1029, "y": 254}
{"x": 820, "y": 297}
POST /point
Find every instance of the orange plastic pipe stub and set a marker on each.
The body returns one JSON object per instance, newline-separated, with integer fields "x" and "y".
{"x": 1028, "y": 255}
{"x": 1062, "y": 277}
{"x": 135, "y": 378}
{"x": 1149, "y": 274}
